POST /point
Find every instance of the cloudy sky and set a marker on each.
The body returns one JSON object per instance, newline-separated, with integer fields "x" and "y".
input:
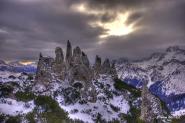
{"x": 110, "y": 28}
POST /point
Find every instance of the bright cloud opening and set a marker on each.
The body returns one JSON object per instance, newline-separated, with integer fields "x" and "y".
{"x": 118, "y": 27}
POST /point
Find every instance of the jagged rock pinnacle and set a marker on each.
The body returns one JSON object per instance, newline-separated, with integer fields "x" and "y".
{"x": 85, "y": 59}
{"x": 77, "y": 55}
{"x": 59, "y": 65}
{"x": 44, "y": 70}
{"x": 106, "y": 63}
{"x": 40, "y": 56}
{"x": 97, "y": 66}
{"x": 59, "y": 55}
{"x": 106, "y": 68}
{"x": 97, "y": 61}
{"x": 68, "y": 52}
{"x": 113, "y": 71}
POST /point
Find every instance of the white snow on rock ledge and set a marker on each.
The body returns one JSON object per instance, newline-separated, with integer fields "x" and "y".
{"x": 121, "y": 103}
{"x": 179, "y": 113}
{"x": 12, "y": 107}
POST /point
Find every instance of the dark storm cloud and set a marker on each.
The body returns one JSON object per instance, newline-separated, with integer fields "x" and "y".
{"x": 162, "y": 25}
{"x": 28, "y": 27}
{"x": 33, "y": 28}
{"x": 121, "y": 4}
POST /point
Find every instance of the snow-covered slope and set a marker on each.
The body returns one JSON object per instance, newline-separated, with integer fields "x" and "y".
{"x": 164, "y": 72}
{"x": 12, "y": 107}
{"x": 110, "y": 103}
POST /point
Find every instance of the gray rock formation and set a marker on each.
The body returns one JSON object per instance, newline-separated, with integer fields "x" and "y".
{"x": 59, "y": 55}
{"x": 98, "y": 61}
{"x": 59, "y": 66}
{"x": 44, "y": 70}
{"x": 77, "y": 53}
{"x": 113, "y": 71}
{"x": 85, "y": 60}
{"x": 150, "y": 108}
{"x": 76, "y": 69}
{"x": 106, "y": 68}
{"x": 68, "y": 53}
{"x": 97, "y": 66}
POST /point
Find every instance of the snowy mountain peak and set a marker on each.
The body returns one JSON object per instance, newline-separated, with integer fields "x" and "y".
{"x": 164, "y": 72}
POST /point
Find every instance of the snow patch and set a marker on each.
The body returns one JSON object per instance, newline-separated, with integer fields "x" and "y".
{"x": 12, "y": 107}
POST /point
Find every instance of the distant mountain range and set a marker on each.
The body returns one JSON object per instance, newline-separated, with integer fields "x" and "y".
{"x": 164, "y": 72}
{"x": 16, "y": 66}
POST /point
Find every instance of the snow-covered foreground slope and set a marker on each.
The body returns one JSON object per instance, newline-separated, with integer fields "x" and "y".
{"x": 105, "y": 104}
{"x": 12, "y": 107}
{"x": 164, "y": 72}
{"x": 110, "y": 103}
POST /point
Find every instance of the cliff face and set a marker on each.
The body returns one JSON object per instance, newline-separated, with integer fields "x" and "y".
{"x": 44, "y": 70}
{"x": 151, "y": 107}
{"x": 59, "y": 66}
{"x": 75, "y": 68}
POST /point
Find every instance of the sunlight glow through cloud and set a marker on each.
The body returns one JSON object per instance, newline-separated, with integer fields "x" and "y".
{"x": 118, "y": 27}
{"x": 26, "y": 62}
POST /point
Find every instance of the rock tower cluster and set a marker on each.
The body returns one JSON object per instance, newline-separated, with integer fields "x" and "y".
{"x": 75, "y": 68}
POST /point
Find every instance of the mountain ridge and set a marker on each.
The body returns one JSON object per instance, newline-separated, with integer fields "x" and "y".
{"x": 109, "y": 91}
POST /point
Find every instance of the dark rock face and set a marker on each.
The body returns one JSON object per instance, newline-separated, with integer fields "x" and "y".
{"x": 80, "y": 73}
{"x": 97, "y": 66}
{"x": 44, "y": 70}
{"x": 68, "y": 53}
{"x": 75, "y": 68}
{"x": 106, "y": 68}
{"x": 150, "y": 107}
{"x": 59, "y": 55}
{"x": 59, "y": 66}
{"x": 98, "y": 62}
{"x": 76, "y": 59}
{"x": 85, "y": 59}
{"x": 113, "y": 71}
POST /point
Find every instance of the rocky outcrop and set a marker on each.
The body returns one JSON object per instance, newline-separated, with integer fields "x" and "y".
{"x": 59, "y": 55}
{"x": 98, "y": 62}
{"x": 75, "y": 69}
{"x": 85, "y": 60}
{"x": 97, "y": 66}
{"x": 106, "y": 68}
{"x": 77, "y": 53}
{"x": 44, "y": 70}
{"x": 59, "y": 66}
{"x": 68, "y": 54}
{"x": 150, "y": 108}
{"x": 113, "y": 71}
